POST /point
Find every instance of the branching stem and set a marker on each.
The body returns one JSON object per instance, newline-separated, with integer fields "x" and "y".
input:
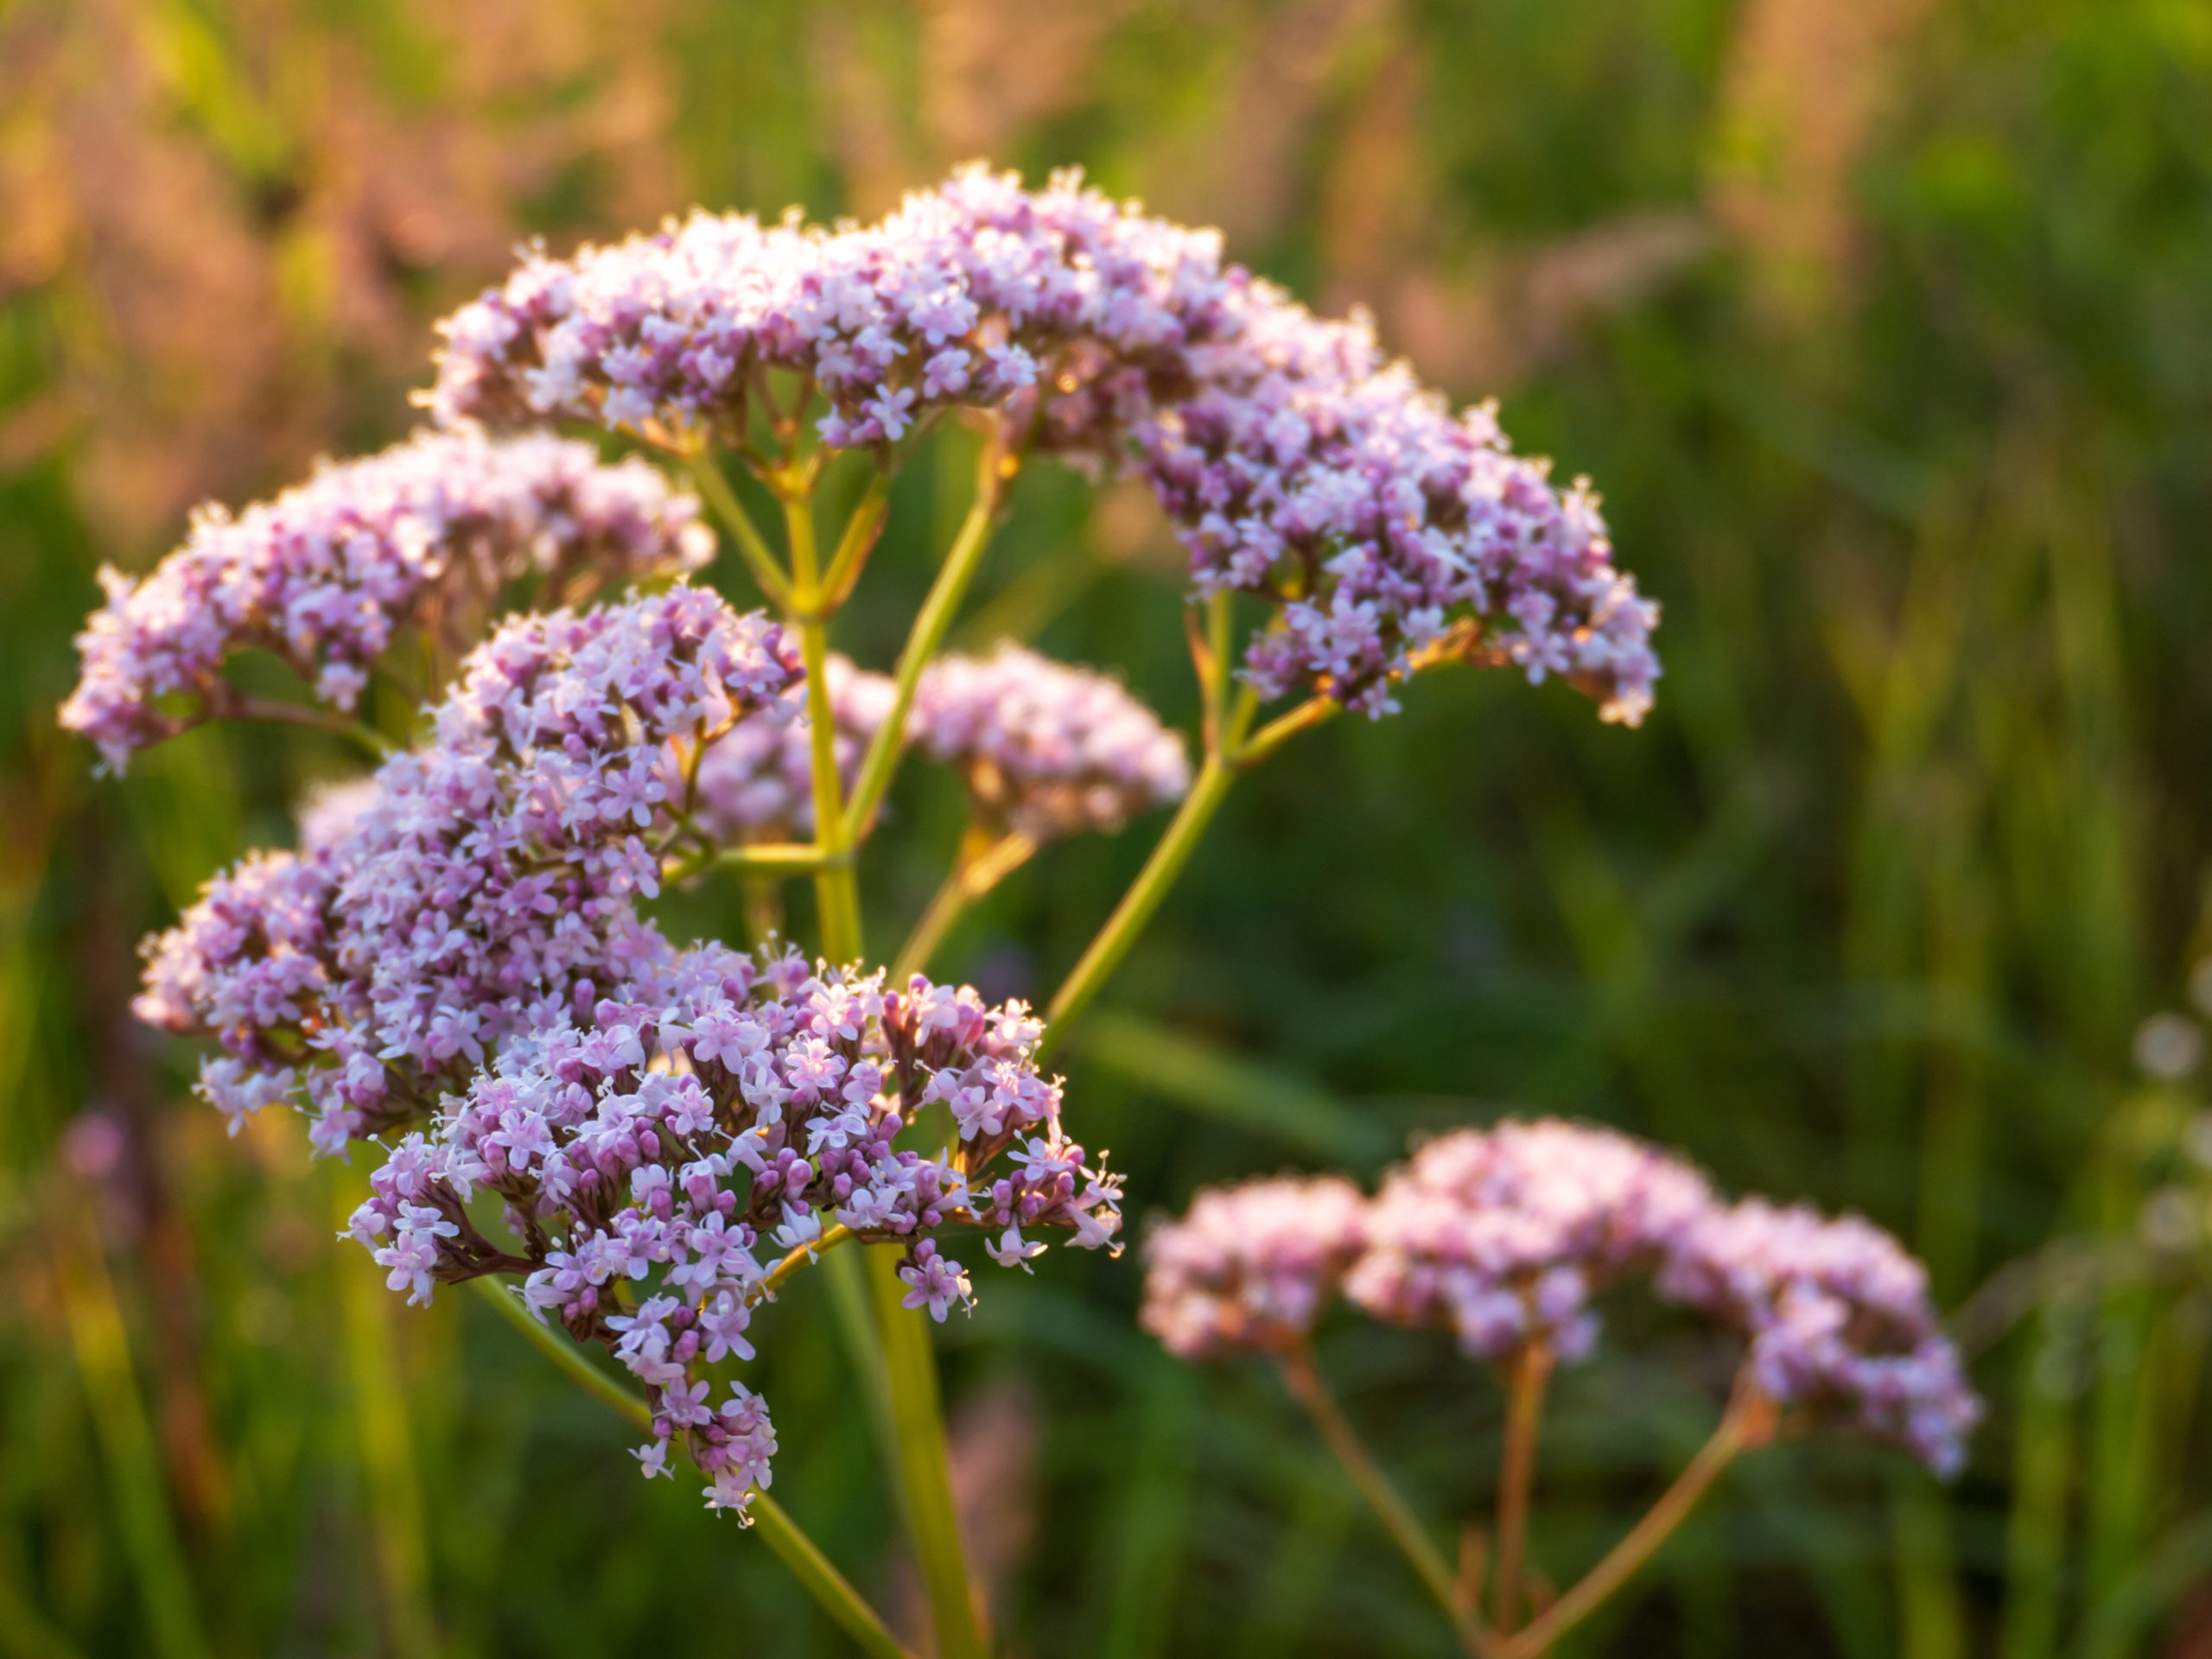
{"x": 924, "y": 639}
{"x": 1749, "y": 1423}
{"x": 300, "y": 713}
{"x": 1306, "y": 1387}
{"x": 759, "y": 557}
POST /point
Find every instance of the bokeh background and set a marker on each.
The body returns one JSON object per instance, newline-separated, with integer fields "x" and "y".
{"x": 1886, "y": 328}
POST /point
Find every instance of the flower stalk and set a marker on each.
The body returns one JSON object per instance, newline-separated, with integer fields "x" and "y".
{"x": 1530, "y": 1375}
{"x": 1304, "y": 1381}
{"x": 994, "y": 474}
{"x": 982, "y": 864}
{"x": 1749, "y": 1423}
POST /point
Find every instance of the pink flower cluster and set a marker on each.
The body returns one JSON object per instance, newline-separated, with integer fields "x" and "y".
{"x": 1294, "y": 462}
{"x": 1839, "y": 1322}
{"x": 490, "y": 884}
{"x": 714, "y": 1107}
{"x": 460, "y": 952}
{"x": 1502, "y": 1236}
{"x": 965, "y": 298}
{"x": 1251, "y": 1267}
{"x": 423, "y": 535}
{"x": 1048, "y": 749}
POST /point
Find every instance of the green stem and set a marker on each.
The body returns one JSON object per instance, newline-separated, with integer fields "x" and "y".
{"x": 836, "y": 894}
{"x": 923, "y": 1461}
{"x": 1315, "y": 711}
{"x": 1305, "y": 1386}
{"x": 814, "y": 1570}
{"x": 917, "y": 1446}
{"x": 1113, "y": 942}
{"x": 759, "y": 858}
{"x": 566, "y": 1354}
{"x": 1532, "y": 1372}
{"x": 971, "y": 879}
{"x": 759, "y": 557}
{"x": 1748, "y": 1423}
{"x": 854, "y": 547}
{"x": 371, "y": 743}
{"x": 924, "y": 639}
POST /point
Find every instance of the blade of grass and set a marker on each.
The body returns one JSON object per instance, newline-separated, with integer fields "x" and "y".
{"x": 103, "y": 1349}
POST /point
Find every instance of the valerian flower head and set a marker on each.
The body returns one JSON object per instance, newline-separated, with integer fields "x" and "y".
{"x": 1293, "y": 461}
{"x": 1046, "y": 749}
{"x": 1501, "y": 1236}
{"x": 423, "y": 535}
{"x": 1251, "y": 1267}
{"x": 494, "y": 878}
{"x": 711, "y": 1113}
{"x": 1840, "y": 1321}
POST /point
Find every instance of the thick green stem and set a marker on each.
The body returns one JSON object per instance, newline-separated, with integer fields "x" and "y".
{"x": 1306, "y": 1388}
{"x": 836, "y": 894}
{"x": 837, "y": 891}
{"x": 927, "y": 636}
{"x": 814, "y": 1570}
{"x": 923, "y": 1461}
{"x": 917, "y": 1443}
{"x": 759, "y": 557}
{"x": 1749, "y": 1423}
{"x": 1524, "y": 1412}
{"x": 1113, "y": 942}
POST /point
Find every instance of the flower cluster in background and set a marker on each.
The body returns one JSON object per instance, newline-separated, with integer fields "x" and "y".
{"x": 424, "y": 535}
{"x": 1251, "y": 1267}
{"x": 1503, "y": 1236}
{"x": 756, "y": 782}
{"x": 1048, "y": 749}
{"x": 1295, "y": 463}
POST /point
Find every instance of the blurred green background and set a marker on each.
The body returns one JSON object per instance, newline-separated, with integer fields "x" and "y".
{"x": 1886, "y": 328}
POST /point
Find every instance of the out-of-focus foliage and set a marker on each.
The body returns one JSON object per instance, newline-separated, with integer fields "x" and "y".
{"x": 1885, "y": 328}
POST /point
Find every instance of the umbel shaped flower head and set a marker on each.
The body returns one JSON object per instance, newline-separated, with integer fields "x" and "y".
{"x": 1251, "y": 1267}
{"x": 1502, "y": 1236}
{"x": 1294, "y": 461}
{"x": 1839, "y": 1318}
{"x": 424, "y": 535}
{"x": 1048, "y": 749}
{"x": 717, "y": 1117}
